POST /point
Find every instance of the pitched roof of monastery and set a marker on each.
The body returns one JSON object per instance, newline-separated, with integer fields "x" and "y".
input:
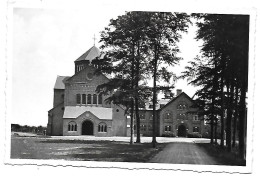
{"x": 59, "y": 84}
{"x": 91, "y": 54}
{"x": 76, "y": 111}
{"x": 175, "y": 98}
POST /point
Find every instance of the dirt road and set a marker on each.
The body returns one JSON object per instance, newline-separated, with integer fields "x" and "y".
{"x": 184, "y": 153}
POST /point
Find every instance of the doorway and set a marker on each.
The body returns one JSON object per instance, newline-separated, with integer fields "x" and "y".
{"x": 87, "y": 128}
{"x": 182, "y": 132}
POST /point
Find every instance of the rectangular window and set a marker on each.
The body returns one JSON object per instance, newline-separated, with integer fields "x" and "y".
{"x": 150, "y": 127}
{"x": 195, "y": 129}
{"x": 195, "y": 117}
{"x": 167, "y": 128}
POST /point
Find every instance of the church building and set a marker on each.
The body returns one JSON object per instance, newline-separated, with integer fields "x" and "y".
{"x": 79, "y": 110}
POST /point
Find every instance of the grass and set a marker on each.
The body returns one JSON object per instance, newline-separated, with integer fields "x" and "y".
{"x": 87, "y": 150}
{"x": 112, "y": 151}
{"x": 221, "y": 155}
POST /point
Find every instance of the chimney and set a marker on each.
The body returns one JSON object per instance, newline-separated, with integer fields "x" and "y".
{"x": 178, "y": 92}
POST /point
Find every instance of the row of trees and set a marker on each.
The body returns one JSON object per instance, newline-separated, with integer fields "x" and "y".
{"x": 26, "y": 128}
{"x": 139, "y": 45}
{"x": 142, "y": 44}
{"x": 221, "y": 73}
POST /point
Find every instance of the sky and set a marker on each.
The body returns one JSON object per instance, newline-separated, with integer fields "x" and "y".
{"x": 47, "y": 41}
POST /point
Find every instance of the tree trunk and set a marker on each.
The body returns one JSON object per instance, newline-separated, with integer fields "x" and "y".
{"x": 229, "y": 116}
{"x": 212, "y": 122}
{"x": 138, "y": 139}
{"x": 222, "y": 112}
{"x": 132, "y": 99}
{"x": 235, "y": 119}
{"x": 132, "y": 122}
{"x": 242, "y": 122}
{"x": 212, "y": 119}
{"x": 154, "y": 98}
{"x": 216, "y": 128}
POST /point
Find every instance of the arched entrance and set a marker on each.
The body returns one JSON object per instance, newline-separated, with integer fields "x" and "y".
{"x": 182, "y": 132}
{"x": 87, "y": 128}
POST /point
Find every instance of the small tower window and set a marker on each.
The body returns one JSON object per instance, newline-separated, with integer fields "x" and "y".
{"x": 78, "y": 99}
{"x": 94, "y": 99}
{"x": 100, "y": 99}
{"x": 89, "y": 98}
{"x": 83, "y": 98}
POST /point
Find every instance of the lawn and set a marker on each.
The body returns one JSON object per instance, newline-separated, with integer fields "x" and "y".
{"x": 221, "y": 155}
{"x": 87, "y": 150}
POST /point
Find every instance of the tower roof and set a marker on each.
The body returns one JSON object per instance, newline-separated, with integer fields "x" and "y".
{"x": 91, "y": 54}
{"x": 59, "y": 84}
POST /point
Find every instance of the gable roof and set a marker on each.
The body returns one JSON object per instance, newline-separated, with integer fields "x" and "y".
{"x": 59, "y": 84}
{"x": 76, "y": 111}
{"x": 175, "y": 98}
{"x": 91, "y": 54}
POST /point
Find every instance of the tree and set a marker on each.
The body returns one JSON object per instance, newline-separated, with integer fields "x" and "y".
{"x": 139, "y": 42}
{"x": 124, "y": 40}
{"x": 163, "y": 33}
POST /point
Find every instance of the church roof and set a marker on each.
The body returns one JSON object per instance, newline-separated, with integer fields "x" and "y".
{"x": 76, "y": 111}
{"x": 59, "y": 84}
{"x": 91, "y": 54}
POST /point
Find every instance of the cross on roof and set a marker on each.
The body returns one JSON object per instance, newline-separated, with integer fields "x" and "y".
{"x": 94, "y": 39}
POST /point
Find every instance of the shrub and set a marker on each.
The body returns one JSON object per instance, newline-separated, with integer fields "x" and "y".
{"x": 194, "y": 135}
{"x": 168, "y": 134}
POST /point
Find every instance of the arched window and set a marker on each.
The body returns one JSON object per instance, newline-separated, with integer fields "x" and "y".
{"x": 89, "y": 98}
{"x": 94, "y": 99}
{"x": 78, "y": 99}
{"x": 142, "y": 116}
{"x": 168, "y": 115}
{"x": 182, "y": 106}
{"x": 100, "y": 98}
{"x": 102, "y": 127}
{"x": 182, "y": 116}
{"x": 143, "y": 127}
{"x": 83, "y": 98}
{"x": 72, "y": 126}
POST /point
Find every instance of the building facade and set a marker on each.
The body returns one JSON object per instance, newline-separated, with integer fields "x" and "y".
{"x": 79, "y": 110}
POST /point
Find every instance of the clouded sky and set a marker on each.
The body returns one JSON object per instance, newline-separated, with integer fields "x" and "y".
{"x": 46, "y": 42}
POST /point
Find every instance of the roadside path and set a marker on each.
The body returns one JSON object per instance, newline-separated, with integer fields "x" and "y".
{"x": 183, "y": 153}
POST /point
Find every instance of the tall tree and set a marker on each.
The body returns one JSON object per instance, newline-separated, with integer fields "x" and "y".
{"x": 124, "y": 41}
{"x": 163, "y": 33}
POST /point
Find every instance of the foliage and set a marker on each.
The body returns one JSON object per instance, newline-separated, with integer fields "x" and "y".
{"x": 221, "y": 70}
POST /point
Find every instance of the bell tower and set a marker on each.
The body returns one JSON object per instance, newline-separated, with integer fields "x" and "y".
{"x": 86, "y": 59}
